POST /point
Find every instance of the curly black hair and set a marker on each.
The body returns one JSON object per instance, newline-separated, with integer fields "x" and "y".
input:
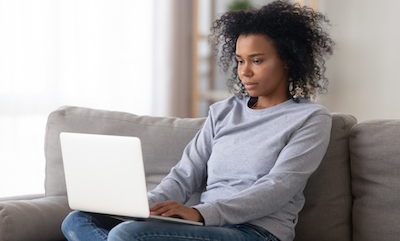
{"x": 298, "y": 34}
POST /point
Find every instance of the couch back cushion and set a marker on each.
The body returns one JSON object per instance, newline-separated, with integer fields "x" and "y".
{"x": 327, "y": 211}
{"x": 375, "y": 169}
{"x": 163, "y": 140}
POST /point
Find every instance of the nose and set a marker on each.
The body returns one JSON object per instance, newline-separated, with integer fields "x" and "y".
{"x": 245, "y": 70}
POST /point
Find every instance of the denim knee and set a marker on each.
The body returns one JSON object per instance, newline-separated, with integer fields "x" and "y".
{"x": 69, "y": 222}
{"x": 83, "y": 226}
{"x": 122, "y": 231}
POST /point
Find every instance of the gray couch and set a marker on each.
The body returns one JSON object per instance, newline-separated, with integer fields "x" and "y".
{"x": 354, "y": 194}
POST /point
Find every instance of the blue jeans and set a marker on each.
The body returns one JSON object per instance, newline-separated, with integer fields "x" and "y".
{"x": 84, "y": 226}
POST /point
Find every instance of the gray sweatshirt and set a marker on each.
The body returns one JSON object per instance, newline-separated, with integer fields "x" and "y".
{"x": 256, "y": 164}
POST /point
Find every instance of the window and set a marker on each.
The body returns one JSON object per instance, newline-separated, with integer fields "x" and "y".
{"x": 92, "y": 53}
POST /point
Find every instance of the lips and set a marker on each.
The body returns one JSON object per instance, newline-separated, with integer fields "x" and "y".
{"x": 250, "y": 85}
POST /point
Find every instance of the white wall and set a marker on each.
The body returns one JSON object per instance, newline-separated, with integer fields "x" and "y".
{"x": 363, "y": 73}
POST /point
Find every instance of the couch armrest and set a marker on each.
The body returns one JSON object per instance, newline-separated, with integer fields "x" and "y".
{"x": 36, "y": 219}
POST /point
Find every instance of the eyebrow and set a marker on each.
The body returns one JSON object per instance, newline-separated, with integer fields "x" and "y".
{"x": 251, "y": 55}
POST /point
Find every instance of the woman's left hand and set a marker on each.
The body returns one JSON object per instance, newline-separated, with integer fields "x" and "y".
{"x": 176, "y": 210}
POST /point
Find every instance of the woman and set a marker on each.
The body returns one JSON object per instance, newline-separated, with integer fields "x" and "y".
{"x": 257, "y": 149}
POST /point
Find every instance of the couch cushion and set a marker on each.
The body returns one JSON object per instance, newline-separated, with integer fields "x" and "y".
{"x": 163, "y": 139}
{"x": 375, "y": 169}
{"x": 34, "y": 220}
{"x": 327, "y": 211}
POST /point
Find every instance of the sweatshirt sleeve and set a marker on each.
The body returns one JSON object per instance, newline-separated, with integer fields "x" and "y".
{"x": 296, "y": 162}
{"x": 189, "y": 174}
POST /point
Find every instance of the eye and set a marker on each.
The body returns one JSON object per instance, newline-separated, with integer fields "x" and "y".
{"x": 257, "y": 61}
{"x": 240, "y": 61}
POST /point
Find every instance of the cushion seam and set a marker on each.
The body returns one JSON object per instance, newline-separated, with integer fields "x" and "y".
{"x": 347, "y": 125}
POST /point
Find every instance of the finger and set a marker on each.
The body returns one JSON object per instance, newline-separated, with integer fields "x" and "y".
{"x": 180, "y": 212}
{"x": 169, "y": 209}
{"x": 159, "y": 208}
{"x": 175, "y": 213}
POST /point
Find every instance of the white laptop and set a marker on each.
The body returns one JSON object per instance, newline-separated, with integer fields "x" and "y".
{"x": 105, "y": 174}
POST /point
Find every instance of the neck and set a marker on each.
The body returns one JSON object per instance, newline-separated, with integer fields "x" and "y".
{"x": 266, "y": 103}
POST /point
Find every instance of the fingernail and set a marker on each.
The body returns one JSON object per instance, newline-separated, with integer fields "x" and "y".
{"x": 152, "y": 213}
{"x": 163, "y": 214}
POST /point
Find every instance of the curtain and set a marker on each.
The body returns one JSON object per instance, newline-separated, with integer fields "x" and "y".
{"x": 172, "y": 58}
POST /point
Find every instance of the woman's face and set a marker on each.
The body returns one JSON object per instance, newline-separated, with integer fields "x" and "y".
{"x": 261, "y": 70}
